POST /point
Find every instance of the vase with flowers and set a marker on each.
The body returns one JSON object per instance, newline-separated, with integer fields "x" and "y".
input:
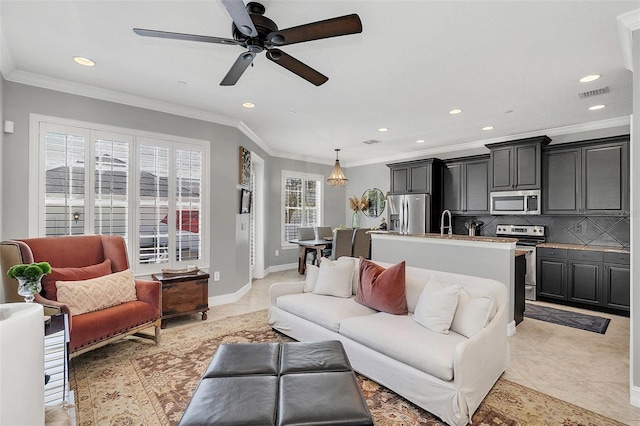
{"x": 357, "y": 205}
{"x": 29, "y": 276}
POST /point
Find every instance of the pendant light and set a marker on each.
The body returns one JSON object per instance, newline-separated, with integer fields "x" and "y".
{"x": 337, "y": 177}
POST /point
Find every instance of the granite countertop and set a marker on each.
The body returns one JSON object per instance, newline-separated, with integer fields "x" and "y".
{"x": 449, "y": 237}
{"x": 583, "y": 247}
{"x": 521, "y": 252}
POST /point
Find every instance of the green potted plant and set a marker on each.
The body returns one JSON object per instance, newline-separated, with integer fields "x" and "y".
{"x": 29, "y": 276}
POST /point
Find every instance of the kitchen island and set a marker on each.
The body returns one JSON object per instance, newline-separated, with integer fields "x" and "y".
{"x": 487, "y": 257}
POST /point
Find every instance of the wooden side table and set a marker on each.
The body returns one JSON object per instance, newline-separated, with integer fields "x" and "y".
{"x": 183, "y": 295}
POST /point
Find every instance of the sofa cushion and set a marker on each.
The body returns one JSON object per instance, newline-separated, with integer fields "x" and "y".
{"x": 382, "y": 289}
{"x": 472, "y": 314}
{"x": 312, "y": 277}
{"x": 436, "y": 307}
{"x": 100, "y": 325}
{"x": 405, "y": 341}
{"x": 326, "y": 311}
{"x": 97, "y": 293}
{"x": 72, "y": 274}
{"x": 334, "y": 278}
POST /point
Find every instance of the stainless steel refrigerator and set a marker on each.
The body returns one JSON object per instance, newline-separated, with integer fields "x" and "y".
{"x": 410, "y": 213}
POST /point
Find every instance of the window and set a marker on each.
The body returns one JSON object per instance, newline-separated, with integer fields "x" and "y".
{"x": 302, "y": 203}
{"x": 88, "y": 187}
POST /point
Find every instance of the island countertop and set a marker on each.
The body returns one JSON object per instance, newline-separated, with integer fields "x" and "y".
{"x": 585, "y": 247}
{"x": 448, "y": 237}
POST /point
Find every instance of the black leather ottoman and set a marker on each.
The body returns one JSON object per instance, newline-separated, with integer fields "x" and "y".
{"x": 278, "y": 384}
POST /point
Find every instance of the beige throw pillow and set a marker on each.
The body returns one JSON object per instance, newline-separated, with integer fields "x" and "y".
{"x": 334, "y": 278}
{"x": 97, "y": 293}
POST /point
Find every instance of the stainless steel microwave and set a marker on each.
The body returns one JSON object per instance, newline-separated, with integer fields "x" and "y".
{"x": 515, "y": 202}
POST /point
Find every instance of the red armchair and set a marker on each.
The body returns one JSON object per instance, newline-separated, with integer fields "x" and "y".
{"x": 93, "y": 329}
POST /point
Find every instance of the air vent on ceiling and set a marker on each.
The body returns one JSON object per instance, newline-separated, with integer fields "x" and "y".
{"x": 592, "y": 93}
{"x": 372, "y": 142}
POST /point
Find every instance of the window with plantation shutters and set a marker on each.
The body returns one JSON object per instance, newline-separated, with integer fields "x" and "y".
{"x": 302, "y": 203}
{"x": 149, "y": 190}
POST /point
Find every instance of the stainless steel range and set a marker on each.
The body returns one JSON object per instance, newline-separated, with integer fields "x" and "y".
{"x": 528, "y": 237}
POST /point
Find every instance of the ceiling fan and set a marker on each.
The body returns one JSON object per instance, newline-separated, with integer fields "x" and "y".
{"x": 256, "y": 33}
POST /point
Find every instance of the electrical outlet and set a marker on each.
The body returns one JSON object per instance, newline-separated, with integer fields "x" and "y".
{"x": 277, "y": 253}
{"x": 216, "y": 276}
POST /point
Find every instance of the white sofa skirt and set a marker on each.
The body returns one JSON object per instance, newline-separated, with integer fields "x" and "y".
{"x": 441, "y": 398}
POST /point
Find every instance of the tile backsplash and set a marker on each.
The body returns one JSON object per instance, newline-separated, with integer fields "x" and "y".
{"x": 607, "y": 231}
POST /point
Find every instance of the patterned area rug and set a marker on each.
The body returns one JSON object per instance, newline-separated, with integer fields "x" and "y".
{"x": 133, "y": 382}
{"x": 567, "y": 318}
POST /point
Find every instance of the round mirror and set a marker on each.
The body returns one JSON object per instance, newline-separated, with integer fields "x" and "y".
{"x": 375, "y": 202}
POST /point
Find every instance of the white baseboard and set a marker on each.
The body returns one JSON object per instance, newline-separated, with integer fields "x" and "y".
{"x": 511, "y": 328}
{"x": 635, "y": 396}
{"x": 281, "y": 268}
{"x": 231, "y": 297}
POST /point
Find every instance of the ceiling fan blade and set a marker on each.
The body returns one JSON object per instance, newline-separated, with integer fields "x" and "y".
{"x": 334, "y": 27}
{"x": 240, "y": 16}
{"x": 296, "y": 67}
{"x": 237, "y": 69}
{"x": 180, "y": 36}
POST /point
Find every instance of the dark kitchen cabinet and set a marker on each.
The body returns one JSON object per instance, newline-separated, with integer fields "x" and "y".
{"x": 551, "y": 273}
{"x": 617, "y": 281}
{"x": 589, "y": 178}
{"x": 516, "y": 165}
{"x": 584, "y": 277}
{"x": 466, "y": 186}
{"x": 420, "y": 176}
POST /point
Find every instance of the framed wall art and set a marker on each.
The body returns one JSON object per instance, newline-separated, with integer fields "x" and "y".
{"x": 245, "y": 201}
{"x": 245, "y": 167}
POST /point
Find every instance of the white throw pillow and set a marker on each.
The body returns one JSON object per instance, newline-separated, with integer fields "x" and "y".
{"x": 334, "y": 278}
{"x": 436, "y": 308}
{"x": 312, "y": 277}
{"x": 472, "y": 315}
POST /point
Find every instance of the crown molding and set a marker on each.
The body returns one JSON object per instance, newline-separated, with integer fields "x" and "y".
{"x": 627, "y": 24}
{"x": 65, "y": 86}
{"x": 255, "y": 138}
{"x": 555, "y": 131}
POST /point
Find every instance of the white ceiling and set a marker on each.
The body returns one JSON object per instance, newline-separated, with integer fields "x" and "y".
{"x": 513, "y": 65}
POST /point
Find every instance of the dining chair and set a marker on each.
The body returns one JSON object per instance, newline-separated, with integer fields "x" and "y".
{"x": 362, "y": 243}
{"x": 324, "y": 232}
{"x": 308, "y": 233}
{"x": 342, "y": 243}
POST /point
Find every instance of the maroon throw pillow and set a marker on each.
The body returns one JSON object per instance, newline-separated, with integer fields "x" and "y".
{"x": 382, "y": 289}
{"x": 72, "y": 274}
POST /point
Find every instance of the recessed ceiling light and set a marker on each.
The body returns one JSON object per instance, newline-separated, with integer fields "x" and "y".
{"x": 455, "y": 111}
{"x": 84, "y": 61}
{"x": 383, "y": 129}
{"x": 249, "y": 105}
{"x": 596, "y": 107}
{"x": 487, "y": 128}
{"x": 420, "y": 141}
{"x": 588, "y": 78}
{"x": 182, "y": 83}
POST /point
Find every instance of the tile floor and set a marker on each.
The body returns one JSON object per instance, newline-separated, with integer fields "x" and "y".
{"x": 585, "y": 368}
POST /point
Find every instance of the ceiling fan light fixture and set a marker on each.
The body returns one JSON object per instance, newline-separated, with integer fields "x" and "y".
{"x": 337, "y": 176}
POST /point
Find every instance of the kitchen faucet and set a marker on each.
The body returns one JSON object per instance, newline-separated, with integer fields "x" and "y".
{"x": 442, "y": 227}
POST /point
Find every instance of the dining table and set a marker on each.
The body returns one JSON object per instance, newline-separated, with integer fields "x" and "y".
{"x": 318, "y": 244}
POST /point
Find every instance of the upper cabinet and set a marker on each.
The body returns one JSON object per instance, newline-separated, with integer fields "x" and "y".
{"x": 516, "y": 165}
{"x": 590, "y": 178}
{"x": 466, "y": 185}
{"x": 420, "y": 176}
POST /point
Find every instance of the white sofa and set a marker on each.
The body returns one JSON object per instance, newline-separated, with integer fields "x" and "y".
{"x": 446, "y": 374}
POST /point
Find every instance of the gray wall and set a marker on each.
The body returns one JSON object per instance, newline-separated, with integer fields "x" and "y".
{"x": 363, "y": 178}
{"x": 229, "y": 251}
{"x": 635, "y": 225}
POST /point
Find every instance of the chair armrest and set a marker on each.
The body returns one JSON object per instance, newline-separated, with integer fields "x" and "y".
{"x": 280, "y": 289}
{"x": 55, "y": 306}
{"x": 150, "y": 292}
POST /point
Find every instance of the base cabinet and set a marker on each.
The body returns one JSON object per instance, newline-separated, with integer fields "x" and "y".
{"x": 584, "y": 277}
{"x": 184, "y": 295}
